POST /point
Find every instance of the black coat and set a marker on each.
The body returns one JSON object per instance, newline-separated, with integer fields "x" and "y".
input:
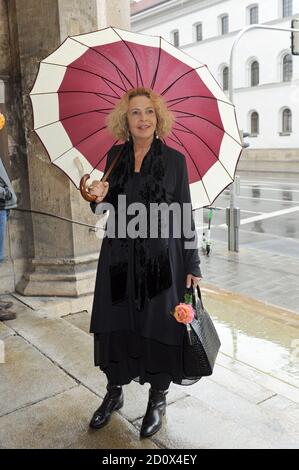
{"x": 155, "y": 321}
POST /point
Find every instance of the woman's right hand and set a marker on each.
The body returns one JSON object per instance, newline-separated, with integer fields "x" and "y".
{"x": 99, "y": 189}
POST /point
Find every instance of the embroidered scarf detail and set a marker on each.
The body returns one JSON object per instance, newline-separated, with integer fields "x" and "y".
{"x": 152, "y": 272}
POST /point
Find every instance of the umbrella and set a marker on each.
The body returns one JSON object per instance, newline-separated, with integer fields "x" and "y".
{"x": 78, "y": 85}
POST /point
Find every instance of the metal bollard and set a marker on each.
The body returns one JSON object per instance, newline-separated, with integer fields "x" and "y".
{"x": 233, "y": 223}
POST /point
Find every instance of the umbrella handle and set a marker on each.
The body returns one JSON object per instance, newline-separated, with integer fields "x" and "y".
{"x": 84, "y": 191}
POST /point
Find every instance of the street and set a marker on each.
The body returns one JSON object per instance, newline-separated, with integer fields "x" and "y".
{"x": 269, "y": 213}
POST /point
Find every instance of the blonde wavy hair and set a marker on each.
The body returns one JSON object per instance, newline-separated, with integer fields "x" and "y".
{"x": 117, "y": 121}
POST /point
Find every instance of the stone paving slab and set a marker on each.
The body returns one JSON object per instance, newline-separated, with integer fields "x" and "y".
{"x": 58, "y": 306}
{"x": 62, "y": 422}
{"x": 261, "y": 421}
{"x": 27, "y": 376}
{"x": 285, "y": 411}
{"x": 252, "y": 333}
{"x": 191, "y": 424}
{"x": 5, "y": 331}
{"x": 63, "y": 343}
{"x": 231, "y": 302}
{"x": 254, "y": 376}
{"x": 278, "y": 403}
{"x": 267, "y": 276}
{"x": 81, "y": 320}
{"x": 252, "y": 391}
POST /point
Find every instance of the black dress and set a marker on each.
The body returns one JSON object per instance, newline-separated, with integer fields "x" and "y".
{"x": 129, "y": 351}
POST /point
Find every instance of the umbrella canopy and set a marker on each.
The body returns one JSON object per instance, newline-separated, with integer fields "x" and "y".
{"x": 78, "y": 85}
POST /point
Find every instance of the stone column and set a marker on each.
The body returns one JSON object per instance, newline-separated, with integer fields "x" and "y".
{"x": 114, "y": 13}
{"x": 65, "y": 255}
{"x": 18, "y": 246}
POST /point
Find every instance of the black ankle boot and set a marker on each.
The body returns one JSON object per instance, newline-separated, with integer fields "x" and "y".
{"x": 113, "y": 400}
{"x": 156, "y": 408}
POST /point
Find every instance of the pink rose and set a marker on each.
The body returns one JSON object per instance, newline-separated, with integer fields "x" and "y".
{"x": 184, "y": 313}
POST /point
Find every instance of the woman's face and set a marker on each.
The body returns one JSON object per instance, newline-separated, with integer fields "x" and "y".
{"x": 142, "y": 118}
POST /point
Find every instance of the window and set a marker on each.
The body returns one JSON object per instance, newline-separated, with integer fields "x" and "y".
{"x": 255, "y": 69}
{"x": 224, "y": 24}
{"x": 198, "y": 32}
{"x": 254, "y": 123}
{"x": 287, "y": 8}
{"x": 287, "y": 68}
{"x": 287, "y": 121}
{"x": 254, "y": 14}
{"x": 175, "y": 38}
{"x": 225, "y": 79}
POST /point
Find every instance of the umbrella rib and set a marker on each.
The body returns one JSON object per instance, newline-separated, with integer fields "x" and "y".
{"x": 187, "y": 151}
{"x": 114, "y": 143}
{"x": 179, "y": 78}
{"x": 72, "y": 116}
{"x": 183, "y": 130}
{"x": 100, "y": 95}
{"x": 216, "y": 156}
{"x": 91, "y": 73}
{"x": 156, "y": 71}
{"x": 184, "y": 98}
{"x": 195, "y": 135}
{"x": 106, "y": 81}
{"x": 136, "y": 63}
{"x": 204, "y": 119}
{"x": 121, "y": 78}
{"x": 171, "y": 138}
{"x": 181, "y": 143}
{"x": 109, "y": 60}
{"x": 77, "y": 143}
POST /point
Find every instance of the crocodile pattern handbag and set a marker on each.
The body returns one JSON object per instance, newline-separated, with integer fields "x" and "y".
{"x": 201, "y": 342}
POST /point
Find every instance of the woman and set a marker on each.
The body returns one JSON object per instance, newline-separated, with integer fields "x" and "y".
{"x": 141, "y": 279}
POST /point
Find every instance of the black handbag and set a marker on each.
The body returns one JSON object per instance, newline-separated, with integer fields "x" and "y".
{"x": 201, "y": 342}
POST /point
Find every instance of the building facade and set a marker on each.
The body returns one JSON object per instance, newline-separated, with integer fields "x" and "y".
{"x": 265, "y": 73}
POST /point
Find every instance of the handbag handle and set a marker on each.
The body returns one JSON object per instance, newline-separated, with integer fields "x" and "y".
{"x": 195, "y": 292}
{"x": 84, "y": 189}
{"x": 199, "y": 296}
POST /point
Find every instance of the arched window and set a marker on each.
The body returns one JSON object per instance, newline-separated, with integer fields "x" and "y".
{"x": 287, "y": 68}
{"x": 254, "y": 123}
{"x": 225, "y": 77}
{"x": 287, "y": 121}
{"x": 255, "y": 72}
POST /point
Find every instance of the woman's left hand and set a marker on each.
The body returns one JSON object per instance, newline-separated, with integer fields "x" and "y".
{"x": 192, "y": 280}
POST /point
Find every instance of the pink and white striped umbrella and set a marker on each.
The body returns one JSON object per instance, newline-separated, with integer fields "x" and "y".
{"x": 81, "y": 81}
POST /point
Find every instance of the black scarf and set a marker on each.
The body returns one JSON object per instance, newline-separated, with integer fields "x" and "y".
{"x": 152, "y": 272}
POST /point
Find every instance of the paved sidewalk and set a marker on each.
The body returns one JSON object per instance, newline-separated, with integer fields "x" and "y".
{"x": 49, "y": 387}
{"x": 260, "y": 274}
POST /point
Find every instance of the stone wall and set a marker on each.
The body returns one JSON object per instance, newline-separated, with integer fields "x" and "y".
{"x": 273, "y": 160}
{"x": 45, "y": 256}
{"x": 13, "y": 153}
